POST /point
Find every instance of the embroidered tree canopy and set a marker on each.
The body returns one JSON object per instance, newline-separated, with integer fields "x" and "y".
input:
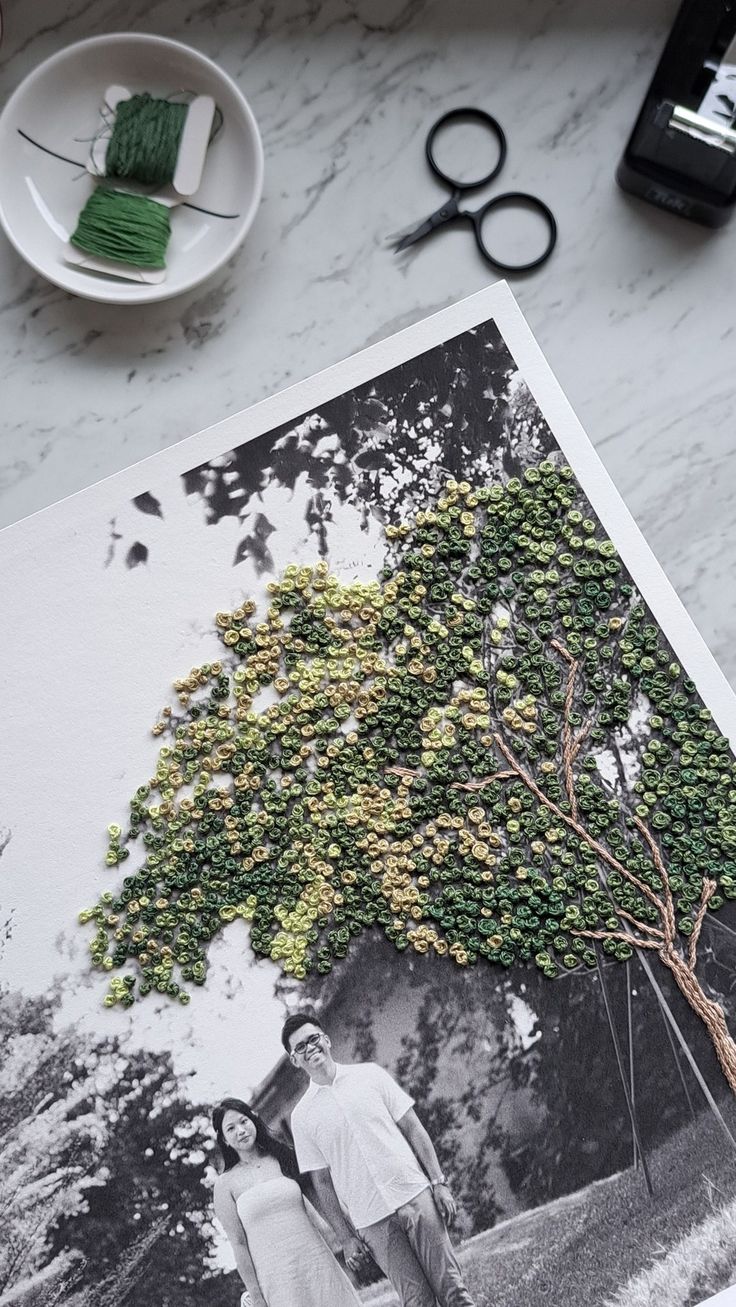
{"x": 489, "y": 752}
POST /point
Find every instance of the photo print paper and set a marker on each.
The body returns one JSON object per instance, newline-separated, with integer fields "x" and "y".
{"x": 368, "y": 865}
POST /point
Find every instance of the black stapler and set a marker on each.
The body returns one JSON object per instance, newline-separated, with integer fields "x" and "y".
{"x": 682, "y": 152}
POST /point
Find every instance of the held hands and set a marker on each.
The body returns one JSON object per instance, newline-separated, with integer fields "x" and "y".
{"x": 445, "y": 1203}
{"x": 354, "y": 1253}
{"x": 253, "y": 1298}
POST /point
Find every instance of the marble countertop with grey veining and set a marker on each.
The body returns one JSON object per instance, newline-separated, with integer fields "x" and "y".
{"x": 634, "y": 311}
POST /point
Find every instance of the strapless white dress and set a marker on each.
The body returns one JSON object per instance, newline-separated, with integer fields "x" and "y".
{"x": 294, "y": 1265}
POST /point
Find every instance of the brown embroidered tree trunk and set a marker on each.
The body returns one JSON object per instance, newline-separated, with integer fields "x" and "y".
{"x": 660, "y": 939}
{"x": 635, "y": 932}
{"x": 710, "y": 1012}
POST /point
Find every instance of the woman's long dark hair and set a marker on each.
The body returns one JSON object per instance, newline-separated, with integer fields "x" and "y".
{"x": 266, "y": 1141}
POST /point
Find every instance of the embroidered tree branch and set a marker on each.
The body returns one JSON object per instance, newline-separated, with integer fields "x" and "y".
{"x": 664, "y": 939}
{"x": 489, "y": 751}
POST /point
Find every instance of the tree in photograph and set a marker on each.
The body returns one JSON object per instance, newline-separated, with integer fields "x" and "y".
{"x": 48, "y": 1142}
{"x": 101, "y": 1171}
{"x": 154, "y": 1164}
{"x": 490, "y": 751}
{"x": 464, "y": 1112}
{"x": 379, "y": 449}
{"x": 130, "y": 1267}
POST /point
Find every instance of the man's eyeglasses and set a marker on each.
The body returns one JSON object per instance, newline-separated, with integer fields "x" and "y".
{"x": 306, "y": 1046}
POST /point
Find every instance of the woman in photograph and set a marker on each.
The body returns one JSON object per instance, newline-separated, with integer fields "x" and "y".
{"x": 280, "y": 1253}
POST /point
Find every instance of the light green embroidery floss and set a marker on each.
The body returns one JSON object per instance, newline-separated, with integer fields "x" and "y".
{"x": 429, "y": 763}
{"x": 125, "y": 228}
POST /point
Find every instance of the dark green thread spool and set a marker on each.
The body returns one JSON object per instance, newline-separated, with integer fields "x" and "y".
{"x": 145, "y": 140}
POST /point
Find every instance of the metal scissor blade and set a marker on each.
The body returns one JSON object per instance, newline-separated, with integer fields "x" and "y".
{"x": 446, "y": 213}
{"x": 417, "y": 234}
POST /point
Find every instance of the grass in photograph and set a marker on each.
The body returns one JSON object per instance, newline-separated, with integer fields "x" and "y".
{"x": 610, "y": 1245}
{"x": 698, "y": 1265}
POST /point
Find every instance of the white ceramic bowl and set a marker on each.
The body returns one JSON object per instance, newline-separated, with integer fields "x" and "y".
{"x": 55, "y": 111}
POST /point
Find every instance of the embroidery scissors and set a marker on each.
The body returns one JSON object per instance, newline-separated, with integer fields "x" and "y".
{"x": 450, "y": 211}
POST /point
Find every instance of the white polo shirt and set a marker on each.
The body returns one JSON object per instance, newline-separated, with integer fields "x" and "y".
{"x": 350, "y": 1127}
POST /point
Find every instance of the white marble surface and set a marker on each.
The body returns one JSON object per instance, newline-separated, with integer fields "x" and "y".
{"x": 634, "y": 311}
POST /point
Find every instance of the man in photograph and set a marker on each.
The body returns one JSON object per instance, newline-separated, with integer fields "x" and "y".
{"x": 355, "y": 1130}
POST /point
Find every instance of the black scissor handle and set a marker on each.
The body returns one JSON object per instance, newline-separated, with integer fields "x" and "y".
{"x": 475, "y": 115}
{"x": 510, "y": 199}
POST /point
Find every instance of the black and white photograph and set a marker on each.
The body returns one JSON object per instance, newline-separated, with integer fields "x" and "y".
{"x": 368, "y": 866}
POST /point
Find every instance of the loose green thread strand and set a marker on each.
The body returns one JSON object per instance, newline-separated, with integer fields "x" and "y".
{"x": 145, "y": 140}
{"x": 130, "y": 229}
